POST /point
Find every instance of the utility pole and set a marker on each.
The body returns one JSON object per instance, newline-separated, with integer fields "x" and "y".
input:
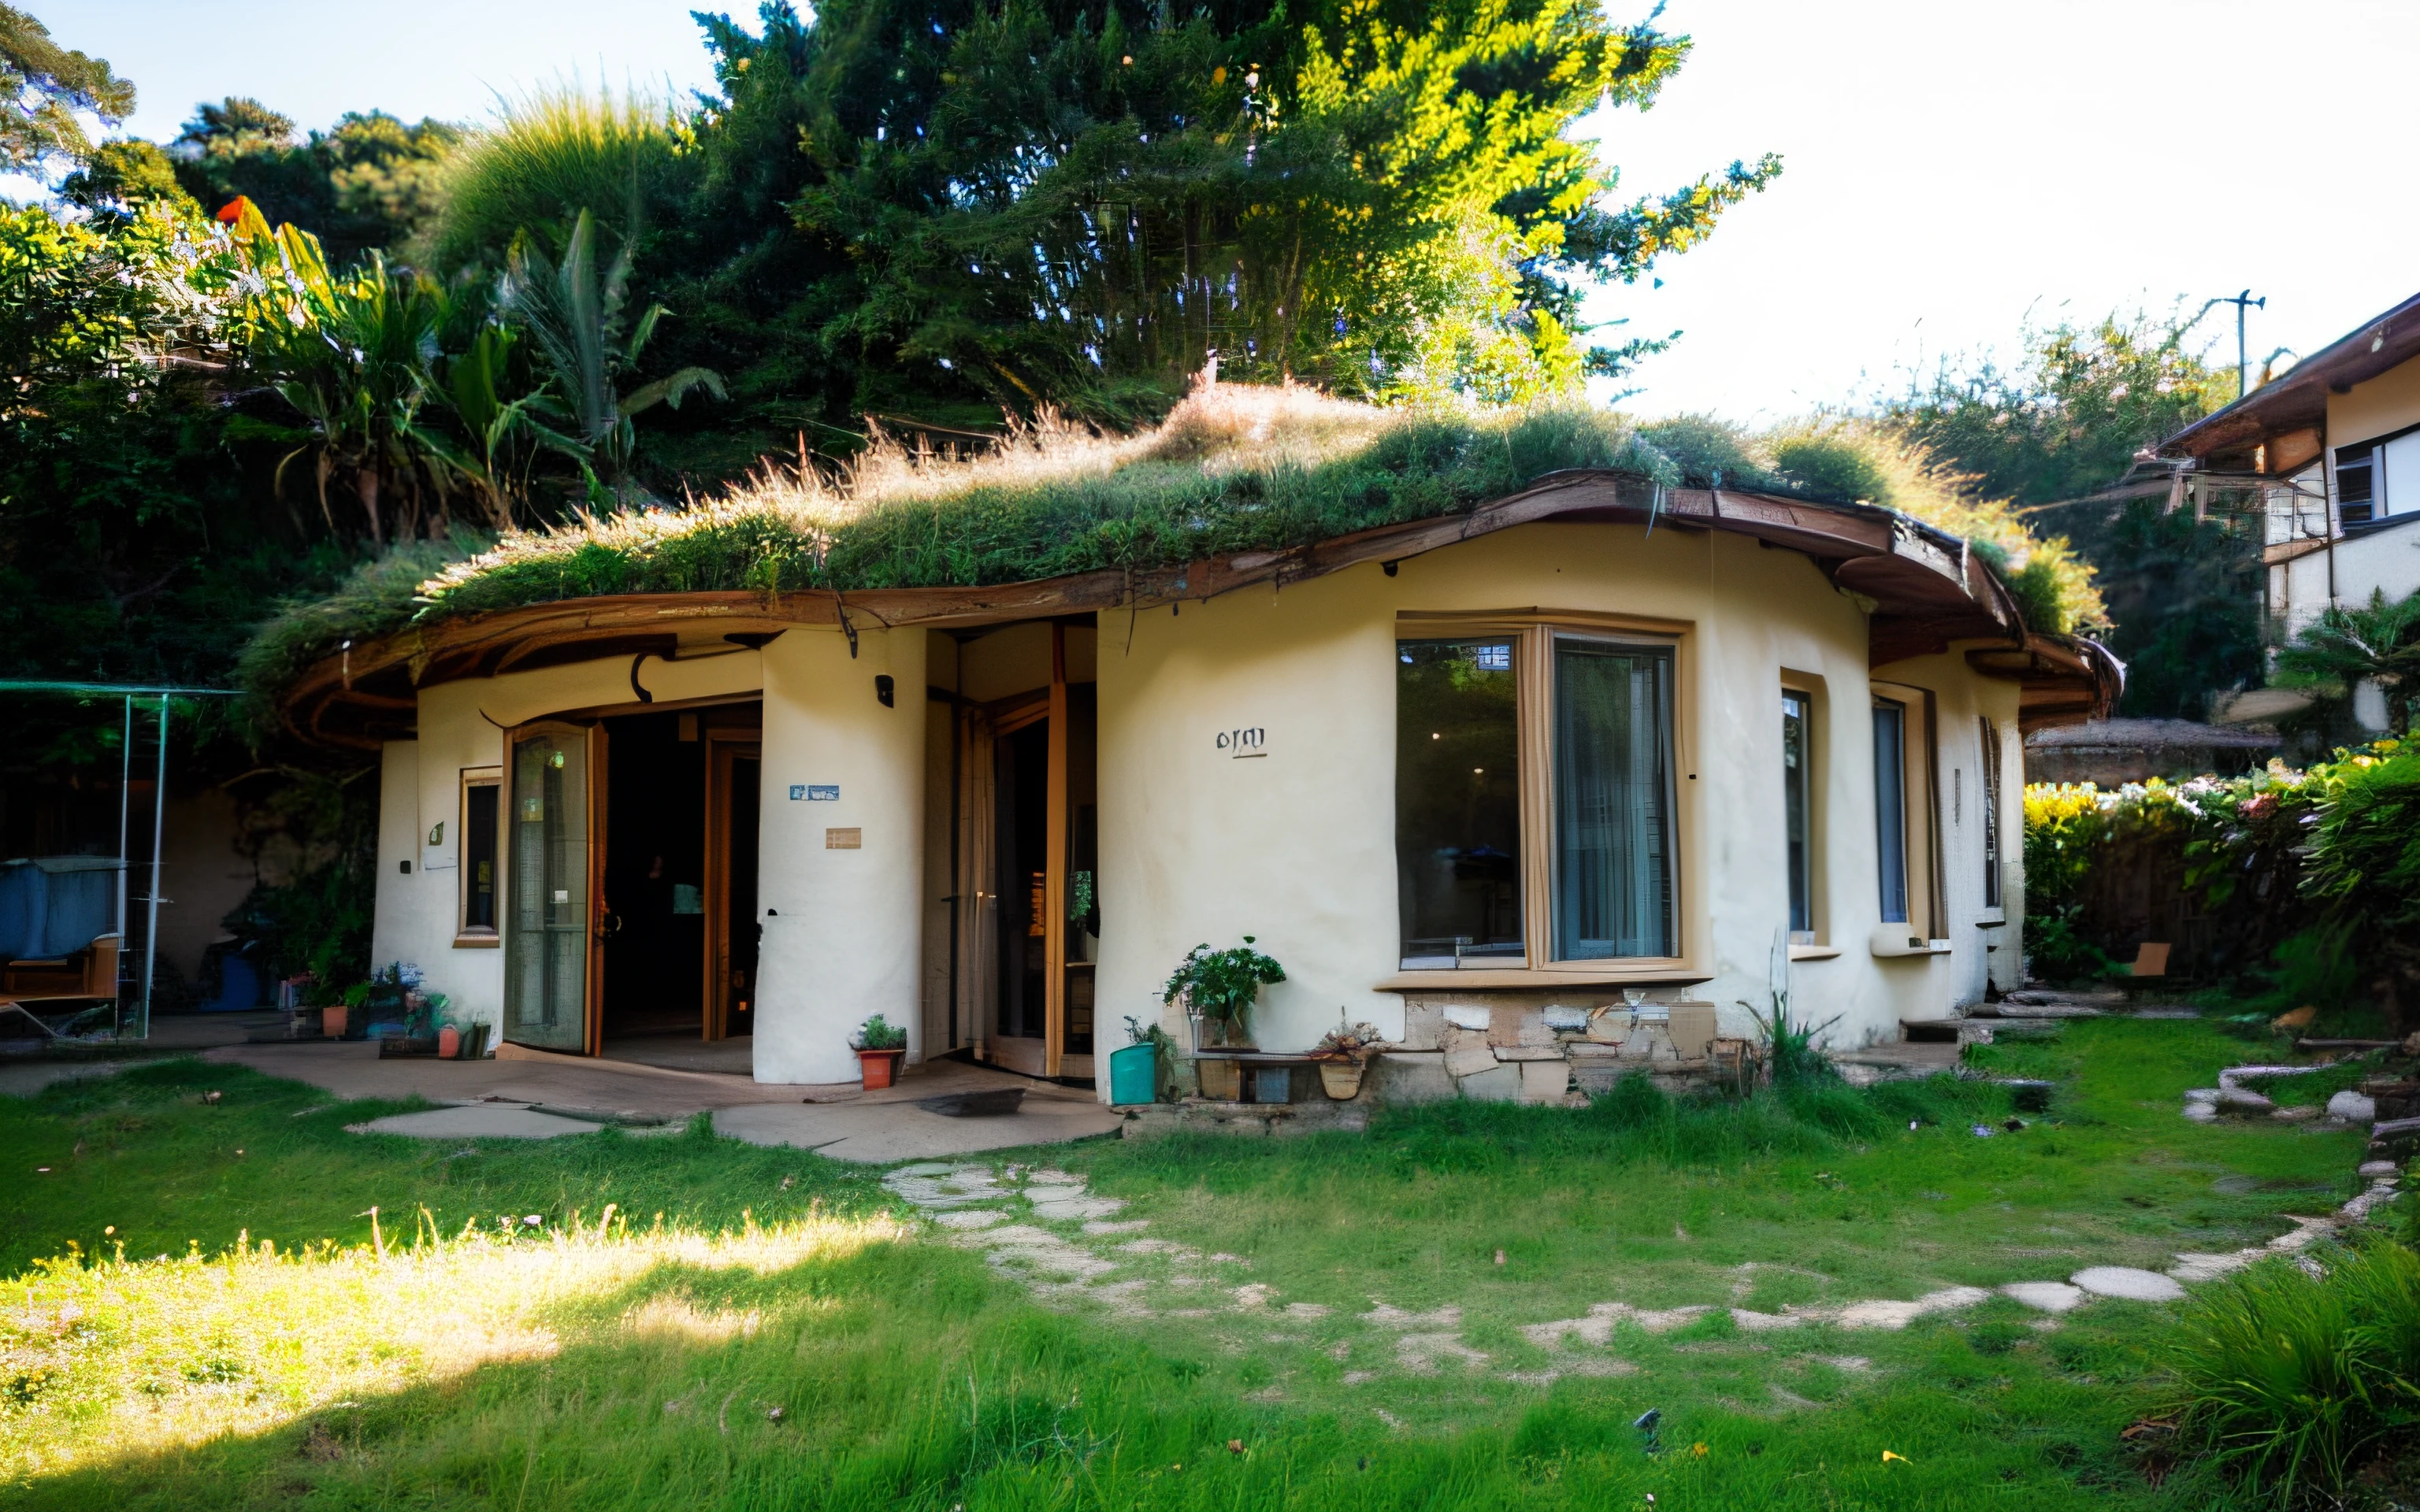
{"x": 2243, "y": 360}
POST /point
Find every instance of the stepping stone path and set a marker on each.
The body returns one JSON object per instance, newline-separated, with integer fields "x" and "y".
{"x": 2125, "y": 1282}
{"x": 2048, "y": 1296}
{"x": 1064, "y": 1245}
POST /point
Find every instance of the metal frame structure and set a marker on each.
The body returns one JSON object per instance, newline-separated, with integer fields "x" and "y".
{"x": 130, "y": 692}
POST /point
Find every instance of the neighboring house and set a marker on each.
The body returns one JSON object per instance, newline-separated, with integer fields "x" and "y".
{"x": 2333, "y": 450}
{"x": 1492, "y": 768}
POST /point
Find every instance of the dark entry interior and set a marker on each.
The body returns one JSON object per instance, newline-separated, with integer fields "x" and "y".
{"x": 741, "y": 781}
{"x": 655, "y": 877}
{"x": 678, "y": 910}
{"x": 1023, "y": 807}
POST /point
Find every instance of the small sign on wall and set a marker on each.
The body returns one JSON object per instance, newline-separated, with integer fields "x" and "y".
{"x": 1242, "y": 745}
{"x": 843, "y": 840}
{"x": 815, "y": 793}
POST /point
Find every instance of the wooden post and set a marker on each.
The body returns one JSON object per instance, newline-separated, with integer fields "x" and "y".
{"x": 1054, "y": 887}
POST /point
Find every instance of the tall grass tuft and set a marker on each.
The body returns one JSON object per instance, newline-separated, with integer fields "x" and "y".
{"x": 551, "y": 153}
{"x": 2293, "y": 1379}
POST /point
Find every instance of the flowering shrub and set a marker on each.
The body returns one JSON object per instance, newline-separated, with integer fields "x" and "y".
{"x": 2326, "y": 857}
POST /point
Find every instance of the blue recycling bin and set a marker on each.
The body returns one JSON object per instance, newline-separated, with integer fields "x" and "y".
{"x": 1134, "y": 1074}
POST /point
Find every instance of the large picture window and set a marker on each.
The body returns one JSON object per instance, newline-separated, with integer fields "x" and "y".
{"x": 1613, "y": 800}
{"x": 1458, "y": 802}
{"x": 1535, "y": 798}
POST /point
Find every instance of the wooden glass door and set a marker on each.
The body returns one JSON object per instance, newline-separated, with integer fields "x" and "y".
{"x": 553, "y": 903}
{"x": 1029, "y": 919}
{"x": 733, "y": 791}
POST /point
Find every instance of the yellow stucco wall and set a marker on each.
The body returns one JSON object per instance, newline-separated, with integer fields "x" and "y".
{"x": 421, "y": 784}
{"x": 2386, "y": 403}
{"x": 1298, "y": 848}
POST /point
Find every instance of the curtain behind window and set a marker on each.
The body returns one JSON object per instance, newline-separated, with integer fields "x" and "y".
{"x": 1613, "y": 800}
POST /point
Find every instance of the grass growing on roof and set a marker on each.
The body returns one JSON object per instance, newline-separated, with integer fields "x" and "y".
{"x": 634, "y": 1365}
{"x": 1233, "y": 469}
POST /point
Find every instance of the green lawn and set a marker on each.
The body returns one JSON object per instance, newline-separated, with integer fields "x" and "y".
{"x": 753, "y": 1327}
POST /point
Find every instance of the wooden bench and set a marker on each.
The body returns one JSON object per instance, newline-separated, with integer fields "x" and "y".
{"x": 1248, "y": 1088}
{"x": 82, "y": 976}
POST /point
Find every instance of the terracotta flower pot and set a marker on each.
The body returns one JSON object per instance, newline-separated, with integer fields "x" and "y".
{"x": 332, "y": 1021}
{"x": 879, "y": 1069}
{"x": 449, "y": 1043}
{"x": 1340, "y": 1079}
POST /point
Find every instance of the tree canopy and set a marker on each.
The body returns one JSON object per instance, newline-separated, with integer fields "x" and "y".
{"x": 2065, "y": 420}
{"x": 946, "y": 211}
{"x": 237, "y": 360}
{"x": 42, "y": 85}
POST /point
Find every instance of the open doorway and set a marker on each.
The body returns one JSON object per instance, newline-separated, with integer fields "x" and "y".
{"x": 676, "y": 954}
{"x": 1029, "y": 915}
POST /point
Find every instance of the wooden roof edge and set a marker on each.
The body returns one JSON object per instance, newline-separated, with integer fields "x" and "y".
{"x": 2377, "y": 345}
{"x": 1833, "y": 531}
{"x": 2065, "y": 679}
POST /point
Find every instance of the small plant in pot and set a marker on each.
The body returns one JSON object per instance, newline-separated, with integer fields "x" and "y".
{"x": 878, "y": 1046}
{"x": 1218, "y": 989}
{"x": 1344, "y": 1053}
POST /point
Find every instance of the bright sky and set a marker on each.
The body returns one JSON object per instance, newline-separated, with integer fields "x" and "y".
{"x": 1953, "y": 167}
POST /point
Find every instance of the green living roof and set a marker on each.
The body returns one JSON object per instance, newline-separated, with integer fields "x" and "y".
{"x": 1233, "y": 469}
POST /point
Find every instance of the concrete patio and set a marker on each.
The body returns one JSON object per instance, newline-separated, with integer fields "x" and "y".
{"x": 530, "y": 1094}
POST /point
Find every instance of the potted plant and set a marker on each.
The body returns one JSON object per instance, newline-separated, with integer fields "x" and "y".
{"x": 337, "y": 1020}
{"x": 1218, "y": 989}
{"x": 1343, "y": 1054}
{"x": 878, "y": 1047}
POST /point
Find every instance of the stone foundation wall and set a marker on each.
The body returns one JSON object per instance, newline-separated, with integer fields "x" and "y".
{"x": 1505, "y": 1047}
{"x": 1510, "y": 1047}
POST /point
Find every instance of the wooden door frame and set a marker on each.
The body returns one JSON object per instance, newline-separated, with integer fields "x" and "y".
{"x": 723, "y": 748}
{"x": 593, "y": 993}
{"x": 1054, "y": 875}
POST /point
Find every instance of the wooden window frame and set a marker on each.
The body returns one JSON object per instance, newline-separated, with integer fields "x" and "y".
{"x": 1920, "y": 797}
{"x": 1533, "y": 632}
{"x": 465, "y": 938}
{"x": 1990, "y": 778}
{"x": 1812, "y": 687}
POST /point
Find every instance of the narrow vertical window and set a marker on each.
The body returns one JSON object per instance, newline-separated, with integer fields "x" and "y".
{"x": 1613, "y": 800}
{"x": 1990, "y": 800}
{"x": 1797, "y": 759}
{"x": 480, "y": 855}
{"x": 1890, "y": 807}
{"x": 1458, "y": 803}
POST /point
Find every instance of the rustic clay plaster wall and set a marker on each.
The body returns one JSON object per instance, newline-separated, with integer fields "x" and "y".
{"x": 843, "y": 937}
{"x": 1296, "y": 847}
{"x": 420, "y": 784}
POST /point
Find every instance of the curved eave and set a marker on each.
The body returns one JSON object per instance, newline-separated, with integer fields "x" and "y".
{"x": 1927, "y": 588}
{"x": 2064, "y": 679}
